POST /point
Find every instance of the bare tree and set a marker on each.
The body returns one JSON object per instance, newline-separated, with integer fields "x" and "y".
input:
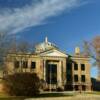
{"x": 23, "y": 47}
{"x": 96, "y": 45}
{"x": 4, "y": 47}
{"x": 92, "y": 49}
{"x": 9, "y": 44}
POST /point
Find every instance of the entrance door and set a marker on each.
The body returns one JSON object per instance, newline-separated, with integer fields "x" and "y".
{"x": 51, "y": 74}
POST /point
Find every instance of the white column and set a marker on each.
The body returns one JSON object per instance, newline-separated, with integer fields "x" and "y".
{"x": 59, "y": 78}
{"x": 44, "y": 70}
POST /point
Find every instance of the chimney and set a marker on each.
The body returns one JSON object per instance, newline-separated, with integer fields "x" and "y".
{"x": 77, "y": 50}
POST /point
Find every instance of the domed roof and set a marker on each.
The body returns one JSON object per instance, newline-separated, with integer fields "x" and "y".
{"x": 44, "y": 46}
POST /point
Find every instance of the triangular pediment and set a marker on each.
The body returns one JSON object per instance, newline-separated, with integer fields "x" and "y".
{"x": 54, "y": 53}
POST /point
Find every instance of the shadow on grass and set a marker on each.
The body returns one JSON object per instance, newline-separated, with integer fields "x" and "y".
{"x": 53, "y": 95}
{"x": 12, "y": 98}
{"x": 4, "y": 96}
{"x": 44, "y": 95}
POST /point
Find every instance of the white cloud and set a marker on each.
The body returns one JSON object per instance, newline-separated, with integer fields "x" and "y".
{"x": 18, "y": 19}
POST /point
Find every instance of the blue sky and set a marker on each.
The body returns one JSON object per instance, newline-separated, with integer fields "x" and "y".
{"x": 67, "y": 23}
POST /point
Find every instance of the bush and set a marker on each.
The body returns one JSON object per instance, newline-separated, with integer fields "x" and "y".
{"x": 22, "y": 84}
{"x": 60, "y": 89}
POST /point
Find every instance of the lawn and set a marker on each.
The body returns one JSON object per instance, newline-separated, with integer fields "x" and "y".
{"x": 46, "y": 95}
{"x": 94, "y": 92}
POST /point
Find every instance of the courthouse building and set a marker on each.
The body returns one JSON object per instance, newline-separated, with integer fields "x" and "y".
{"x": 56, "y": 68}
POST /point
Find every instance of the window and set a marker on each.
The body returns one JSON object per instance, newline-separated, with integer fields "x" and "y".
{"x": 33, "y": 65}
{"x": 25, "y": 64}
{"x": 16, "y": 64}
{"x": 83, "y": 78}
{"x": 75, "y": 66}
{"x": 82, "y": 67}
{"x": 76, "y": 78}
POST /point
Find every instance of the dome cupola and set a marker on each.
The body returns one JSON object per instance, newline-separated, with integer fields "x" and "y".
{"x": 41, "y": 47}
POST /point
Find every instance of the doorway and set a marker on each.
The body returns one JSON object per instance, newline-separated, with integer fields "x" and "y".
{"x": 51, "y": 73}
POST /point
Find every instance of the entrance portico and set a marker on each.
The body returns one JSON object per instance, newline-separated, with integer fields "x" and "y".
{"x": 54, "y": 69}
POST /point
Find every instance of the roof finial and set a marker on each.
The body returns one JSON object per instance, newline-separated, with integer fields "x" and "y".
{"x": 46, "y": 39}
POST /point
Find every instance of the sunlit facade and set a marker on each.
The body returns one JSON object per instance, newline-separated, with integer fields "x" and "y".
{"x": 56, "y": 68}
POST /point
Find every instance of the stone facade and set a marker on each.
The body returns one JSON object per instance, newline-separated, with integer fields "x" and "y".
{"x": 54, "y": 67}
{"x": 79, "y": 74}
